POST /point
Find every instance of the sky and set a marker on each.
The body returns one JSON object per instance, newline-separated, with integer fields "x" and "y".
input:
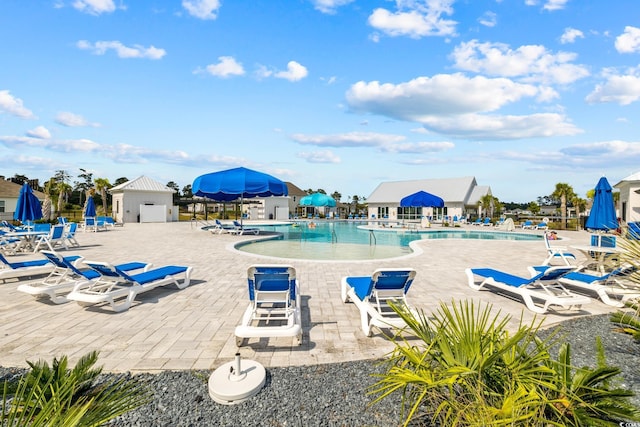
{"x": 339, "y": 95}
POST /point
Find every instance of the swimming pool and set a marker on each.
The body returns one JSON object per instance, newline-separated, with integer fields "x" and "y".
{"x": 352, "y": 240}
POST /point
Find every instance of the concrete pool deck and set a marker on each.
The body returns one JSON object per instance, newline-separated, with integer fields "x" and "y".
{"x": 170, "y": 329}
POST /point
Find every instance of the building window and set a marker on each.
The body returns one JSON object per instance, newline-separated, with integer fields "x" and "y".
{"x": 409, "y": 213}
{"x": 1, "y": 205}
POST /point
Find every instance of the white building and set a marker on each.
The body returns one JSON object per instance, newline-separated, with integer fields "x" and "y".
{"x": 461, "y": 197}
{"x": 143, "y": 200}
{"x": 629, "y": 197}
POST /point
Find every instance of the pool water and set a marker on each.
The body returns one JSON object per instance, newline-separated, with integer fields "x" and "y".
{"x": 352, "y": 240}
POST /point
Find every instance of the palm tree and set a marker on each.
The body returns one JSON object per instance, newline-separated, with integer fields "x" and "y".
{"x": 336, "y": 196}
{"x": 64, "y": 190}
{"x": 580, "y": 204}
{"x": 102, "y": 185}
{"x": 487, "y": 204}
{"x": 563, "y": 192}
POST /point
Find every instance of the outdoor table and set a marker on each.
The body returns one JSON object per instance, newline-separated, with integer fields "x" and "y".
{"x": 27, "y": 239}
{"x": 597, "y": 254}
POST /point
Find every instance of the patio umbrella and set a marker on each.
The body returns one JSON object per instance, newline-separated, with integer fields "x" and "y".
{"x": 90, "y": 208}
{"x": 421, "y": 199}
{"x": 28, "y": 207}
{"x": 603, "y": 212}
{"x": 238, "y": 183}
{"x": 318, "y": 200}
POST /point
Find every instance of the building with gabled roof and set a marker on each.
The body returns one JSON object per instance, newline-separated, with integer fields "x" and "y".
{"x": 461, "y": 197}
{"x": 143, "y": 200}
{"x": 9, "y": 192}
{"x": 629, "y": 197}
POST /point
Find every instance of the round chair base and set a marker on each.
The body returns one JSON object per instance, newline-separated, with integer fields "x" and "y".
{"x": 228, "y": 387}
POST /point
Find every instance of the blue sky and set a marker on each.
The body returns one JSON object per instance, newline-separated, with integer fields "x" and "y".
{"x": 334, "y": 94}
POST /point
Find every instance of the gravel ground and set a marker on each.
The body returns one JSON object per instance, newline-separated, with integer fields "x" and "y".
{"x": 336, "y": 394}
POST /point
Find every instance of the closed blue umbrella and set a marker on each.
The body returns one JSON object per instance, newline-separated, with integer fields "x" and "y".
{"x": 421, "y": 199}
{"x": 603, "y": 212}
{"x": 90, "y": 208}
{"x": 28, "y": 207}
{"x": 318, "y": 200}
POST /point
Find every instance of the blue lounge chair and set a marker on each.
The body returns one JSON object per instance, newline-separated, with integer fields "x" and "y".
{"x": 477, "y": 222}
{"x": 117, "y": 283}
{"x": 274, "y": 304}
{"x": 611, "y": 288}
{"x": 372, "y": 293}
{"x": 23, "y": 269}
{"x": 241, "y": 229}
{"x": 543, "y": 287}
{"x": 527, "y": 225}
{"x": 66, "y": 276}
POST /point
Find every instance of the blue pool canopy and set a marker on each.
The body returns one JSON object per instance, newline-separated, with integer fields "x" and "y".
{"x": 28, "y": 207}
{"x": 422, "y": 199}
{"x": 237, "y": 183}
{"x": 318, "y": 200}
{"x": 603, "y": 212}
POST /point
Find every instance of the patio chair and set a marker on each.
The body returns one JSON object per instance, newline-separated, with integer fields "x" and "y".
{"x": 371, "y": 295}
{"x": 274, "y": 304}
{"x": 118, "y": 288}
{"x": 24, "y": 269}
{"x": 70, "y": 234}
{"x": 240, "y": 229}
{"x": 538, "y": 292}
{"x": 8, "y": 245}
{"x": 527, "y": 225}
{"x": 55, "y": 237}
{"x": 556, "y": 252}
{"x": 68, "y": 275}
{"x": 611, "y": 288}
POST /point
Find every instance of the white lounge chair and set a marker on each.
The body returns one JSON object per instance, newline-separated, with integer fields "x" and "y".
{"x": 610, "y": 288}
{"x": 119, "y": 288}
{"x": 274, "y": 304}
{"x": 538, "y": 292}
{"x": 23, "y": 269}
{"x": 372, "y": 293}
{"x": 556, "y": 252}
{"x": 67, "y": 274}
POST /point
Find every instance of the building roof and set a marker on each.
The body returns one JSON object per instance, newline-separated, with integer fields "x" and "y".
{"x": 11, "y": 190}
{"x": 631, "y": 178}
{"x": 142, "y": 183}
{"x": 294, "y": 190}
{"x": 453, "y": 190}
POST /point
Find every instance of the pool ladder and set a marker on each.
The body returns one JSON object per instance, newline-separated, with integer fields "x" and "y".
{"x": 334, "y": 236}
{"x": 372, "y": 238}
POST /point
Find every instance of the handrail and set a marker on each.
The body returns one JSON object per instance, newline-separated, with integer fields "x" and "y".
{"x": 371, "y": 235}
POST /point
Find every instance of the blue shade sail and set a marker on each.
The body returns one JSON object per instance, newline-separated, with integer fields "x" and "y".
{"x": 421, "y": 199}
{"x": 603, "y": 212}
{"x": 318, "y": 200}
{"x": 238, "y": 183}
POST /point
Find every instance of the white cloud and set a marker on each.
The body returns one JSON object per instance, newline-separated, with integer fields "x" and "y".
{"x": 531, "y": 63}
{"x": 629, "y": 41}
{"x": 226, "y": 67}
{"x": 329, "y": 6}
{"x": 570, "y": 35}
{"x": 415, "y": 19}
{"x": 442, "y": 94}
{"x": 349, "y": 139}
{"x": 202, "y": 9}
{"x": 497, "y": 127}
{"x": 94, "y": 7}
{"x": 453, "y": 105}
{"x": 40, "y": 132}
{"x": 488, "y": 19}
{"x": 621, "y": 89}
{"x": 135, "y": 51}
{"x": 11, "y": 105}
{"x": 294, "y": 72}
{"x": 323, "y": 156}
{"x": 418, "y": 147}
{"x": 68, "y": 119}
{"x": 549, "y": 4}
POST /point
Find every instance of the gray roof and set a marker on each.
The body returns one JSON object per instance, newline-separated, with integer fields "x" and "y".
{"x": 631, "y": 178}
{"x": 142, "y": 183}
{"x": 459, "y": 190}
{"x": 11, "y": 190}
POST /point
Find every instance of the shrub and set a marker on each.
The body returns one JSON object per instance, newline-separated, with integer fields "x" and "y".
{"x": 60, "y": 396}
{"x": 469, "y": 370}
